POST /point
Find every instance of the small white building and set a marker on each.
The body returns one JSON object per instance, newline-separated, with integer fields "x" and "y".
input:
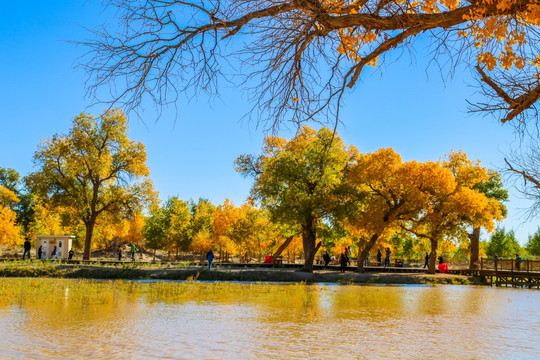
{"x": 48, "y": 242}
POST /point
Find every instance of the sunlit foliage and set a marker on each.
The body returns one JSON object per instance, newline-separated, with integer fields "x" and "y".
{"x": 94, "y": 170}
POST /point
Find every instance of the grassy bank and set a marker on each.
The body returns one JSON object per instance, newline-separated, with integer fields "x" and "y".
{"x": 130, "y": 271}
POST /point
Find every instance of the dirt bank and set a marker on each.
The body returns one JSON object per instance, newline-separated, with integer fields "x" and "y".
{"x": 229, "y": 274}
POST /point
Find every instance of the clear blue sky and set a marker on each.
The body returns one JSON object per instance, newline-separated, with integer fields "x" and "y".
{"x": 408, "y": 108}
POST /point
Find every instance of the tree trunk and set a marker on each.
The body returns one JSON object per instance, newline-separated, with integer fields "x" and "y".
{"x": 475, "y": 248}
{"x": 88, "y": 239}
{"x": 308, "y": 238}
{"x": 362, "y": 252}
{"x": 432, "y": 257}
{"x": 283, "y": 246}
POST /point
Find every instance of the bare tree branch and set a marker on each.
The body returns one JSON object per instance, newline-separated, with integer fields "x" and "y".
{"x": 285, "y": 53}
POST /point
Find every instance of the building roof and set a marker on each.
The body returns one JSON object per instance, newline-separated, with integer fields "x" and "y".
{"x": 56, "y": 236}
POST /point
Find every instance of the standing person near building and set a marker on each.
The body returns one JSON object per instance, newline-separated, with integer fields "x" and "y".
{"x": 40, "y": 252}
{"x": 387, "y": 258}
{"x": 210, "y": 258}
{"x": 426, "y": 260}
{"x": 70, "y": 254}
{"x": 379, "y": 257}
{"x": 133, "y": 251}
{"x": 27, "y": 247}
{"x": 54, "y": 253}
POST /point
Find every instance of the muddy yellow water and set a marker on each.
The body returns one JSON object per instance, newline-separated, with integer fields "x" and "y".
{"x": 52, "y": 318}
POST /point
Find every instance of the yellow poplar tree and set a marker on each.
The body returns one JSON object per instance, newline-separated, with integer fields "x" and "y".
{"x": 451, "y": 210}
{"x": 10, "y": 233}
{"x": 397, "y": 192}
{"x": 224, "y": 218}
{"x": 94, "y": 169}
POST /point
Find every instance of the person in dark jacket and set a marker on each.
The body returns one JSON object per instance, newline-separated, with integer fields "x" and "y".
{"x": 27, "y": 247}
{"x": 379, "y": 257}
{"x": 343, "y": 262}
{"x": 70, "y": 254}
{"x": 326, "y": 258}
{"x": 39, "y": 252}
{"x": 426, "y": 260}
{"x": 210, "y": 258}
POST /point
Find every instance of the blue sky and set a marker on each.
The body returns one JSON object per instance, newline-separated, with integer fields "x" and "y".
{"x": 407, "y": 106}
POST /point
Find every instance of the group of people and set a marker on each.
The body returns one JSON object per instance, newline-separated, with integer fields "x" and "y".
{"x": 344, "y": 259}
{"x": 132, "y": 250}
{"x": 40, "y": 252}
{"x": 518, "y": 260}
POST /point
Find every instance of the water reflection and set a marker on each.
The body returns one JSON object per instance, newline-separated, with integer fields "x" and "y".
{"x": 114, "y": 320}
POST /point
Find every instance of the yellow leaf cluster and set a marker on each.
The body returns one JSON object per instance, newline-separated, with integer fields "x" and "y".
{"x": 10, "y": 233}
{"x": 7, "y": 197}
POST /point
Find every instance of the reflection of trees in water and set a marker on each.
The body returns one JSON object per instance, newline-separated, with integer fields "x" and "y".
{"x": 370, "y": 303}
{"x": 85, "y": 300}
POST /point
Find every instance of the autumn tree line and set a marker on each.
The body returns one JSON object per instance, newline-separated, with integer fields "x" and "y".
{"x": 310, "y": 194}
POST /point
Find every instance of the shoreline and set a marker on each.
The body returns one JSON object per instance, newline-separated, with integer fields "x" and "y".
{"x": 130, "y": 272}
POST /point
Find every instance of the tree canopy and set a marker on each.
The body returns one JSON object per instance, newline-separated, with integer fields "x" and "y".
{"x": 297, "y": 57}
{"x": 301, "y": 181}
{"x": 397, "y": 192}
{"x": 93, "y": 170}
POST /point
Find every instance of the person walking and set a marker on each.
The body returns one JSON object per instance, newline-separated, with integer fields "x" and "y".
{"x": 54, "y": 253}
{"x": 343, "y": 262}
{"x": 27, "y": 247}
{"x": 40, "y": 252}
{"x": 70, "y": 254}
{"x": 133, "y": 251}
{"x": 426, "y": 260}
{"x": 119, "y": 252}
{"x": 387, "y": 258}
{"x": 210, "y": 258}
{"x": 379, "y": 257}
{"x": 326, "y": 258}
{"x": 518, "y": 261}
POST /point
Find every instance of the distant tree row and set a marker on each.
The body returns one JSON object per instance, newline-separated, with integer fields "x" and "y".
{"x": 310, "y": 192}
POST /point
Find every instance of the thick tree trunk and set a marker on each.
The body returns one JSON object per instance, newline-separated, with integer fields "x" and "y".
{"x": 88, "y": 239}
{"x": 432, "y": 257}
{"x": 283, "y": 246}
{"x": 309, "y": 237}
{"x": 363, "y": 251}
{"x": 475, "y": 248}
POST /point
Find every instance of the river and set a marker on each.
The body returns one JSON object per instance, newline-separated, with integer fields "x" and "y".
{"x": 81, "y": 319}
